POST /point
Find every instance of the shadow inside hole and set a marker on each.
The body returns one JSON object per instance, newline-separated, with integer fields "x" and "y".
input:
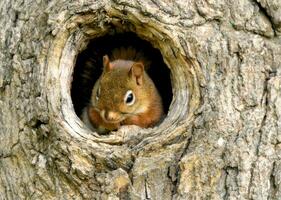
{"x": 88, "y": 67}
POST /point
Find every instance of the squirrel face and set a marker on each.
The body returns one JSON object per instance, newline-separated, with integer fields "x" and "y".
{"x": 121, "y": 91}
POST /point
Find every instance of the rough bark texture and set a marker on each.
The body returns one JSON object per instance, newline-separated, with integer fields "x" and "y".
{"x": 220, "y": 140}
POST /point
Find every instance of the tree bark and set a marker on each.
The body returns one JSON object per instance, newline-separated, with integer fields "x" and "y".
{"x": 220, "y": 140}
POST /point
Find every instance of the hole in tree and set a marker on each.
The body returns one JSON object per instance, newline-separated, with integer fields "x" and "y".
{"x": 89, "y": 67}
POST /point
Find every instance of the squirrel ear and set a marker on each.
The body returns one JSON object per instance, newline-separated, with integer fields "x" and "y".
{"x": 136, "y": 72}
{"x": 106, "y": 63}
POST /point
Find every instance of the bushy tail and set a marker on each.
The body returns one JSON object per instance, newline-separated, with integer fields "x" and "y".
{"x": 129, "y": 53}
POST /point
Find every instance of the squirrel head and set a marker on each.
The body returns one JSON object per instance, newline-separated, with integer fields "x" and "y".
{"x": 122, "y": 90}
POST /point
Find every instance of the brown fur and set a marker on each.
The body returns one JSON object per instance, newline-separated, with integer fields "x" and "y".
{"x": 118, "y": 77}
{"x": 130, "y": 54}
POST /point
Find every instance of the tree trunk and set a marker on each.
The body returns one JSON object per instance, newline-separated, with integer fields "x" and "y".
{"x": 220, "y": 140}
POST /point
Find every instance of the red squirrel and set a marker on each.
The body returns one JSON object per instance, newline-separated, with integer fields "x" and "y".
{"x": 124, "y": 94}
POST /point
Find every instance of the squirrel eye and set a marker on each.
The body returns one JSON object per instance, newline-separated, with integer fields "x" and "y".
{"x": 129, "y": 98}
{"x": 98, "y": 94}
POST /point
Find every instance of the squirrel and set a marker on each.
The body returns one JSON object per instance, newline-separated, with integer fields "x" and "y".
{"x": 124, "y": 94}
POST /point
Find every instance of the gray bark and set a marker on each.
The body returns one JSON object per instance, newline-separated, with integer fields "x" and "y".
{"x": 220, "y": 140}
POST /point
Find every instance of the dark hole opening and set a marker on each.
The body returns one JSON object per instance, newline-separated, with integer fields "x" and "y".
{"x": 88, "y": 67}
